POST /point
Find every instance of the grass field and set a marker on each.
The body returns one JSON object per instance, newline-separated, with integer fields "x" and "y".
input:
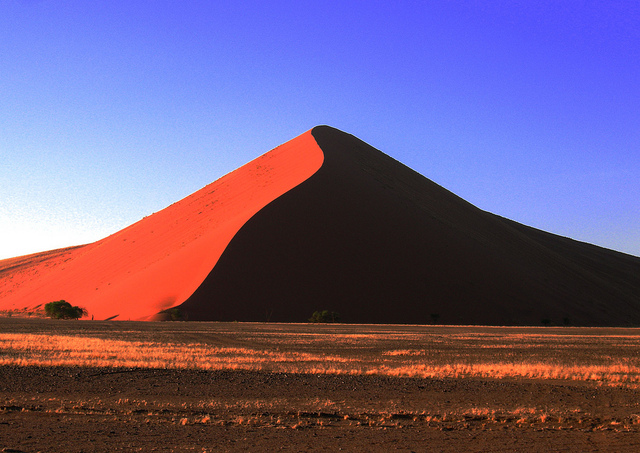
{"x": 127, "y": 386}
{"x": 601, "y": 356}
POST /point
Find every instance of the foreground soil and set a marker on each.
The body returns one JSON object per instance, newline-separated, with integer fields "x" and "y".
{"x": 77, "y": 409}
{"x": 304, "y": 387}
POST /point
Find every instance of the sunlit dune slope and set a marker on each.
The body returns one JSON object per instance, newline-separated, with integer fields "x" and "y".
{"x": 371, "y": 239}
{"x": 159, "y": 261}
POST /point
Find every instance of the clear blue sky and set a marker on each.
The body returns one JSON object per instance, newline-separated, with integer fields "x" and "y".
{"x": 113, "y": 110}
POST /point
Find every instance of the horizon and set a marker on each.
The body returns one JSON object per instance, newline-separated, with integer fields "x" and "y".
{"x": 113, "y": 111}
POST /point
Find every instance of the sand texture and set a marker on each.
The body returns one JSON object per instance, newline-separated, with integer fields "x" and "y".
{"x": 326, "y": 221}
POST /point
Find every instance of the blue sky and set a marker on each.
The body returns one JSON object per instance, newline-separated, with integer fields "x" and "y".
{"x": 113, "y": 110}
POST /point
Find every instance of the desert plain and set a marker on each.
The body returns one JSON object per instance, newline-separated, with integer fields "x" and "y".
{"x": 83, "y": 386}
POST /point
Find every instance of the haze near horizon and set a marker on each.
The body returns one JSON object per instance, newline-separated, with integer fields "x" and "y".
{"x": 112, "y": 111}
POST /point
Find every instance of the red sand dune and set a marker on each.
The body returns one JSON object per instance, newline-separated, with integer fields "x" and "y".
{"x": 329, "y": 222}
{"x": 159, "y": 261}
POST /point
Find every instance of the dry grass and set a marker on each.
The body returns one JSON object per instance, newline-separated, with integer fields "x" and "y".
{"x": 54, "y": 350}
{"x": 322, "y": 412}
{"x": 600, "y": 356}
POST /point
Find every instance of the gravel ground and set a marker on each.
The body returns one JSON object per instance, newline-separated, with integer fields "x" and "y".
{"x": 75, "y": 409}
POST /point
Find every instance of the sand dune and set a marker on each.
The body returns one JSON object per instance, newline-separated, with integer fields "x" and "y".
{"x": 159, "y": 261}
{"x": 329, "y": 222}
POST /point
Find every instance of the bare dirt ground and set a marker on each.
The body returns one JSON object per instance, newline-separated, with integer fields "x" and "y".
{"x": 88, "y": 408}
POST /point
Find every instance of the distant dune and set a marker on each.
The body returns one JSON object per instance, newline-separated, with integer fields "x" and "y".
{"x": 326, "y": 221}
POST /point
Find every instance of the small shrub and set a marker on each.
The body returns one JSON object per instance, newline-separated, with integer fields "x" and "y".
{"x": 61, "y": 309}
{"x": 324, "y": 316}
{"x": 175, "y": 314}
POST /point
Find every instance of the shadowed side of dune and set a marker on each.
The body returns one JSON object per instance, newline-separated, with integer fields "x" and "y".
{"x": 373, "y": 240}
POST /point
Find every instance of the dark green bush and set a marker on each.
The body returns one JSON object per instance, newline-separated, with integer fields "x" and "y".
{"x": 175, "y": 314}
{"x": 324, "y": 316}
{"x": 61, "y": 309}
